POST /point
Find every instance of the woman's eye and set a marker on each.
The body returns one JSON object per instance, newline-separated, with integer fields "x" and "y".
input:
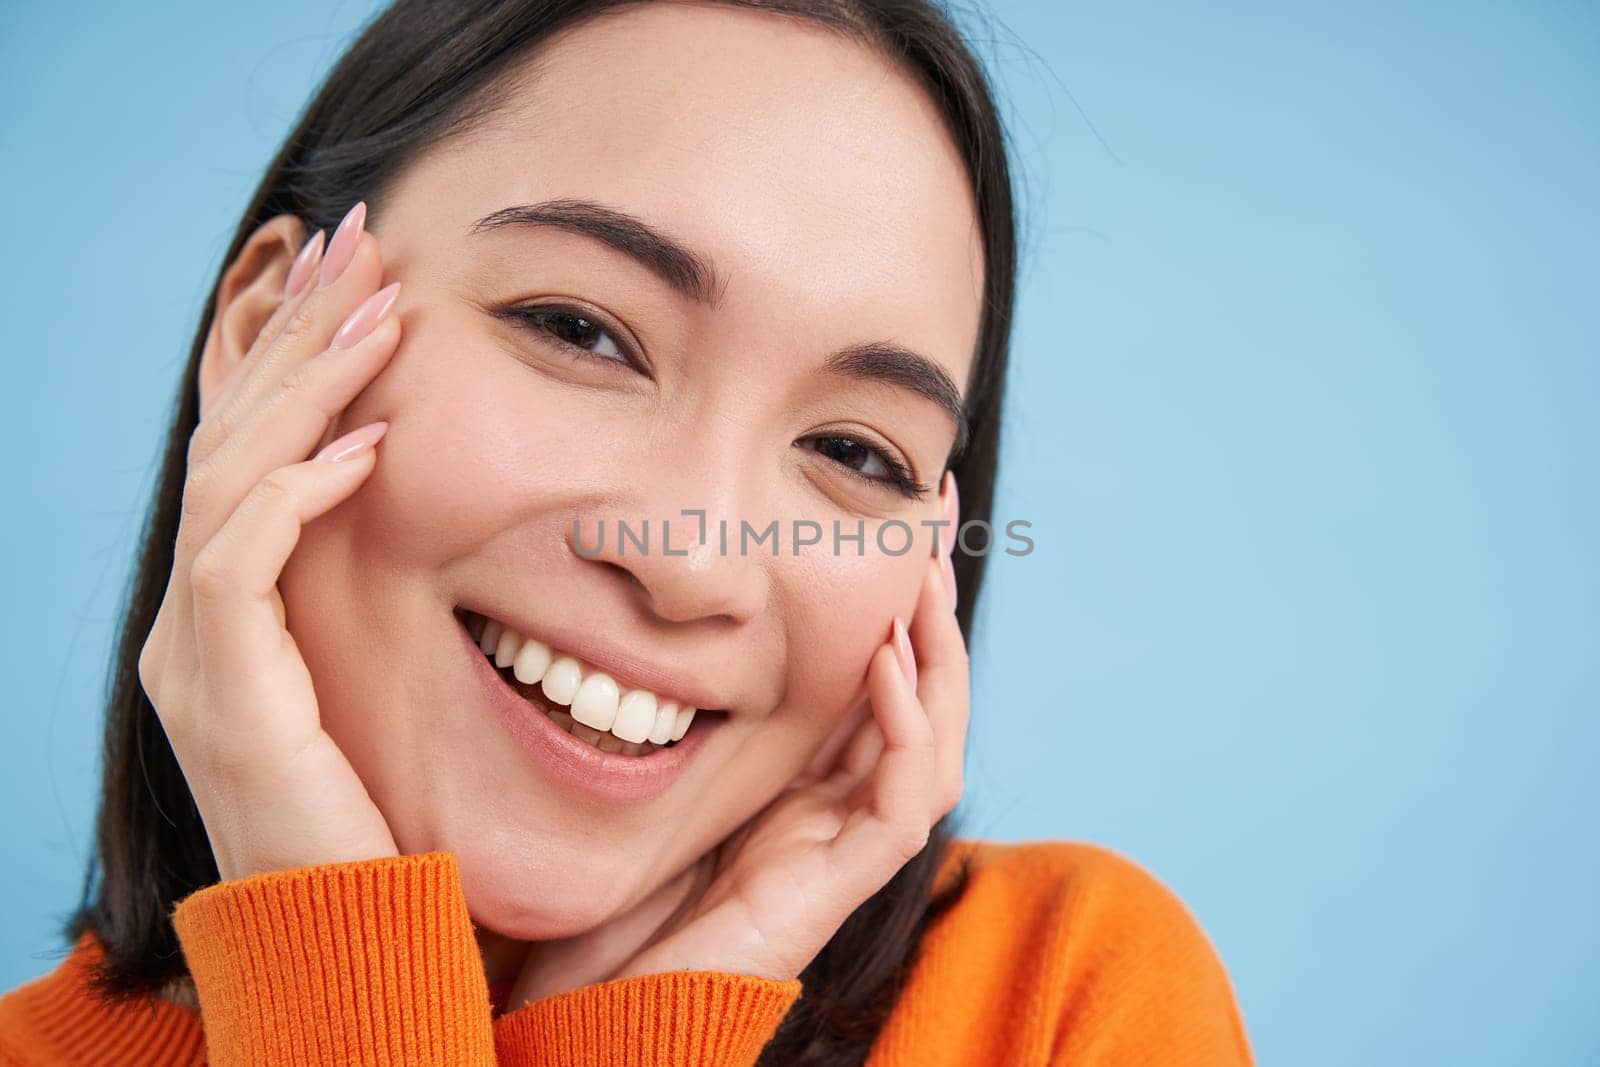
{"x": 866, "y": 461}
{"x": 573, "y": 330}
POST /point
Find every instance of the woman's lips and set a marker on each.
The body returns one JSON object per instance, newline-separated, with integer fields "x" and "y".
{"x": 594, "y": 696}
{"x": 575, "y": 763}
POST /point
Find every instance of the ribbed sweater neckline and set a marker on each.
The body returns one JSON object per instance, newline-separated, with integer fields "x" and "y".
{"x": 91, "y": 1029}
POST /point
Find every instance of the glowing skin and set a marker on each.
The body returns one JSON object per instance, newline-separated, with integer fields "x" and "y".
{"x": 821, "y": 183}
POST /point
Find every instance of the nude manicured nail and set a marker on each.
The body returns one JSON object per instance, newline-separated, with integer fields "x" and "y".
{"x": 952, "y": 515}
{"x": 353, "y": 443}
{"x": 902, "y": 652}
{"x": 366, "y": 315}
{"x": 342, "y": 249}
{"x": 305, "y": 264}
{"x": 952, "y": 509}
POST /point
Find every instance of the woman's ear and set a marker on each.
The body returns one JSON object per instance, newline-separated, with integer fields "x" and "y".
{"x": 250, "y": 291}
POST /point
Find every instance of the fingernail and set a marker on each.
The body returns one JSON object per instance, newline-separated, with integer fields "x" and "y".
{"x": 353, "y": 443}
{"x": 366, "y": 315}
{"x": 902, "y": 651}
{"x": 952, "y": 515}
{"x": 952, "y": 509}
{"x": 305, "y": 264}
{"x": 342, "y": 249}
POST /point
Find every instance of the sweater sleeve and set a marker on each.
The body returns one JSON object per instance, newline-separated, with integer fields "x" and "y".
{"x": 370, "y": 962}
{"x": 710, "y": 1018}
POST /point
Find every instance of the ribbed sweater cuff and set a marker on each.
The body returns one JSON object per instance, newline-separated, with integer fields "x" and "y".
{"x": 370, "y": 962}
{"x": 650, "y": 1020}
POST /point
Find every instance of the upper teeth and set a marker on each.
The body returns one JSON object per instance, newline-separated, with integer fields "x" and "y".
{"x": 595, "y": 699}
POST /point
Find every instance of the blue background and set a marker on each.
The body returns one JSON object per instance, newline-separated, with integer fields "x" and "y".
{"x": 1303, "y": 415}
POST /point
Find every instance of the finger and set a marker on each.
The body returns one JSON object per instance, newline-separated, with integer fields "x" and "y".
{"x": 301, "y": 311}
{"x": 301, "y": 271}
{"x": 297, "y": 284}
{"x": 826, "y": 758}
{"x": 942, "y": 685}
{"x": 304, "y": 330}
{"x": 242, "y": 644}
{"x": 893, "y": 821}
{"x": 863, "y": 751}
{"x": 288, "y": 423}
{"x": 943, "y": 682}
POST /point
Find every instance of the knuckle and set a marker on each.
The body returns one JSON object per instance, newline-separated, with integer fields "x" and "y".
{"x": 301, "y": 324}
{"x": 272, "y": 492}
{"x": 197, "y": 491}
{"x": 209, "y": 574}
{"x": 305, "y": 386}
{"x": 191, "y": 538}
{"x": 148, "y": 674}
{"x": 915, "y": 839}
{"x": 299, "y": 381}
{"x": 204, "y": 440}
{"x": 200, "y": 473}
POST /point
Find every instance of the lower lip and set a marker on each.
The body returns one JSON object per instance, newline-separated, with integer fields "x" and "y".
{"x": 576, "y": 764}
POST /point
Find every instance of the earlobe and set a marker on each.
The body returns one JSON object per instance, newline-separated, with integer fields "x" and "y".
{"x": 250, "y": 290}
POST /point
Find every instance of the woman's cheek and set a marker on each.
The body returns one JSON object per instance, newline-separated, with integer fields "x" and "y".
{"x": 477, "y": 445}
{"x": 842, "y": 608}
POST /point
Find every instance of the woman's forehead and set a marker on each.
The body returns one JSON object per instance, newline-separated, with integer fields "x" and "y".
{"x": 808, "y": 172}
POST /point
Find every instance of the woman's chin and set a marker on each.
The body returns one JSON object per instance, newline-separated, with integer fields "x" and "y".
{"x": 541, "y": 899}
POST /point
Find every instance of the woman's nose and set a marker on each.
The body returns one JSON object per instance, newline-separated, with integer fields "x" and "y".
{"x": 677, "y": 564}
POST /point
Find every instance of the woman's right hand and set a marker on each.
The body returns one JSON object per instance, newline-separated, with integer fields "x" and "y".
{"x": 225, "y": 676}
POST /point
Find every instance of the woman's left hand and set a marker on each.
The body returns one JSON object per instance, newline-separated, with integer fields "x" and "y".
{"x": 778, "y": 889}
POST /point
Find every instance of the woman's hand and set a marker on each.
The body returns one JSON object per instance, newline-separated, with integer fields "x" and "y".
{"x": 219, "y": 665}
{"x": 767, "y": 900}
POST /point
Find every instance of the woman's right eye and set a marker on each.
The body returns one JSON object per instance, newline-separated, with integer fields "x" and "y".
{"x": 573, "y": 332}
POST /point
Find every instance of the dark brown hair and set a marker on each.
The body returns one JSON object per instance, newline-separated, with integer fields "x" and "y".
{"x": 419, "y": 73}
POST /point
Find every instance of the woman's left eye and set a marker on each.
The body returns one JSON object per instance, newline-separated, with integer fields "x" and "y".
{"x": 571, "y": 329}
{"x": 866, "y": 461}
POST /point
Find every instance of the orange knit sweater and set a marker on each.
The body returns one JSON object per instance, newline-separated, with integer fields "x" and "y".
{"x": 1058, "y": 953}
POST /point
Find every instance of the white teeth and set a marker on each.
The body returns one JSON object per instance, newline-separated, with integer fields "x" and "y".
{"x": 532, "y": 661}
{"x": 666, "y": 721}
{"x": 595, "y": 710}
{"x": 636, "y": 716}
{"x": 490, "y": 637}
{"x": 506, "y": 650}
{"x": 596, "y": 702}
{"x": 561, "y": 680}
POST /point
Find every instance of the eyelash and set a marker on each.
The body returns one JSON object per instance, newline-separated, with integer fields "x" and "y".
{"x": 899, "y": 478}
{"x": 534, "y": 319}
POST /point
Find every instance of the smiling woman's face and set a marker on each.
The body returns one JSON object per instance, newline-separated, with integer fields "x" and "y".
{"x": 826, "y": 208}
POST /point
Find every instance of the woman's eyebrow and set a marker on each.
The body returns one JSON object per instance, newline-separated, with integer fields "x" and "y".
{"x": 686, "y": 271}
{"x": 694, "y": 275}
{"x": 892, "y": 364}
